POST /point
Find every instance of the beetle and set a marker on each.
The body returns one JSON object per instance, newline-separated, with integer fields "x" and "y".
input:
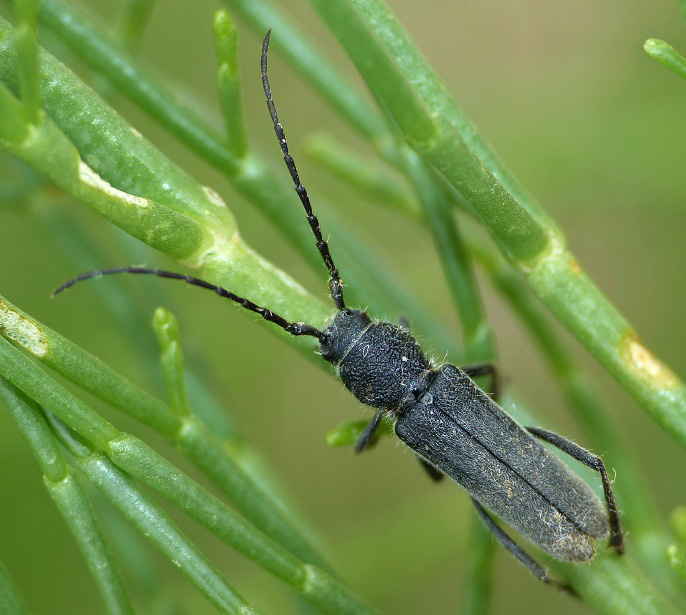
{"x": 452, "y": 426}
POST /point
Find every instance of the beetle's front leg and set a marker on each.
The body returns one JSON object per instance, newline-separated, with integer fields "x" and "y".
{"x": 366, "y": 436}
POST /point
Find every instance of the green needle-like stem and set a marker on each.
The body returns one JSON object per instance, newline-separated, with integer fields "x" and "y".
{"x": 140, "y": 461}
{"x": 135, "y": 18}
{"x": 229, "y": 83}
{"x": 220, "y": 462}
{"x": 362, "y": 173}
{"x": 677, "y": 560}
{"x": 11, "y": 601}
{"x": 27, "y": 57}
{"x": 70, "y": 497}
{"x": 478, "y": 576}
{"x": 153, "y": 523}
{"x": 167, "y": 329}
{"x": 666, "y": 55}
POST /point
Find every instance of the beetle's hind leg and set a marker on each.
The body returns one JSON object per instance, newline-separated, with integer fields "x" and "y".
{"x": 485, "y": 369}
{"x": 595, "y": 463}
{"x": 524, "y": 558}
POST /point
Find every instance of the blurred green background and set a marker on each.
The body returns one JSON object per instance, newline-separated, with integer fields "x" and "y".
{"x": 592, "y": 127}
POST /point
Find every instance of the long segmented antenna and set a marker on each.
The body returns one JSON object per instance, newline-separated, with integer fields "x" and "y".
{"x": 294, "y": 328}
{"x": 335, "y": 283}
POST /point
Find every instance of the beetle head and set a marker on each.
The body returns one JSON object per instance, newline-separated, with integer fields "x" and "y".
{"x": 347, "y": 326}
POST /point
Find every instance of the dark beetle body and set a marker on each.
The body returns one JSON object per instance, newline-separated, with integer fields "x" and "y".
{"x": 455, "y": 428}
{"x": 452, "y": 424}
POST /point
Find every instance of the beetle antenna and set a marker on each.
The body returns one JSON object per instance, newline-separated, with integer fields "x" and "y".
{"x": 335, "y": 283}
{"x": 294, "y": 328}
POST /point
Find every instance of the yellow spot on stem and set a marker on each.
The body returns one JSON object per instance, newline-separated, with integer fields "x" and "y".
{"x": 574, "y": 267}
{"x": 644, "y": 364}
{"x": 90, "y": 177}
{"x": 214, "y": 197}
{"x": 19, "y": 329}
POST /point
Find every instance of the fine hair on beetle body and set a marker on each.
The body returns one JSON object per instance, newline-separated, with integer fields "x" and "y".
{"x": 450, "y": 424}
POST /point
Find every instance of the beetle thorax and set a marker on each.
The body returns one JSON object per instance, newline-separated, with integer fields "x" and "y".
{"x": 379, "y": 362}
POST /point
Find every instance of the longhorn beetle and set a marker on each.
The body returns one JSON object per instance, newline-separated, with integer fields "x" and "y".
{"x": 453, "y": 427}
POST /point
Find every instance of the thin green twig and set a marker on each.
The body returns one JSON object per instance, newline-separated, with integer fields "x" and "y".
{"x": 11, "y": 601}
{"x": 217, "y": 460}
{"x": 134, "y": 20}
{"x": 666, "y": 55}
{"x": 68, "y": 494}
{"x": 167, "y": 330}
{"x": 229, "y": 83}
{"x": 251, "y": 177}
{"x": 140, "y": 461}
{"x": 27, "y": 57}
{"x": 152, "y": 522}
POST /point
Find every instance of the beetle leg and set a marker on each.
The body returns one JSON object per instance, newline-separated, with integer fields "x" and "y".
{"x": 485, "y": 369}
{"x": 534, "y": 567}
{"x": 365, "y": 438}
{"x": 595, "y": 463}
{"x": 434, "y": 473}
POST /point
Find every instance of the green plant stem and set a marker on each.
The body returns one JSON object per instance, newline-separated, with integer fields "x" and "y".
{"x": 364, "y": 174}
{"x": 478, "y": 577}
{"x": 129, "y": 34}
{"x": 48, "y": 151}
{"x": 136, "y": 167}
{"x": 311, "y": 65}
{"x": 14, "y": 127}
{"x": 151, "y": 96}
{"x": 136, "y": 458}
{"x": 71, "y": 500}
{"x": 140, "y": 169}
{"x": 220, "y": 462}
{"x": 126, "y": 313}
{"x": 666, "y": 55}
{"x": 95, "y": 48}
{"x": 11, "y": 601}
{"x": 252, "y": 179}
{"x": 167, "y": 330}
{"x": 402, "y": 81}
{"x": 153, "y": 523}
{"x": 117, "y": 152}
{"x": 134, "y": 20}
{"x": 229, "y": 83}
{"x": 422, "y": 109}
{"x": 457, "y": 267}
{"x": 27, "y": 57}
{"x": 677, "y": 560}
{"x": 613, "y": 586}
